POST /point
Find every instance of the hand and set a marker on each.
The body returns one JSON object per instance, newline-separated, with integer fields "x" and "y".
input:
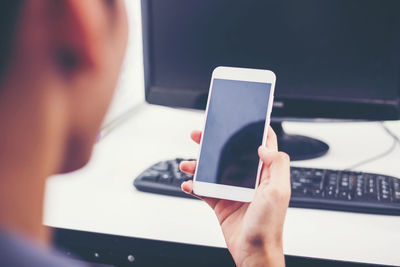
{"x": 253, "y": 231}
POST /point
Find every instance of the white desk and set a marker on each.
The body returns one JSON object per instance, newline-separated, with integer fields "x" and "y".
{"x": 101, "y": 198}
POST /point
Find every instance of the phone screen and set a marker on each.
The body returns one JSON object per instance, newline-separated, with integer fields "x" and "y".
{"x": 233, "y": 132}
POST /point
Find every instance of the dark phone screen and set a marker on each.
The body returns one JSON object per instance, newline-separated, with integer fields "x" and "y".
{"x": 233, "y": 132}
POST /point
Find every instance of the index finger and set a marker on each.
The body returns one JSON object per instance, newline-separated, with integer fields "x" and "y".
{"x": 196, "y": 136}
{"x": 187, "y": 187}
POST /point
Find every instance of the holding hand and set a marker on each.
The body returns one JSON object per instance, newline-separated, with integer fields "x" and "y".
{"x": 253, "y": 231}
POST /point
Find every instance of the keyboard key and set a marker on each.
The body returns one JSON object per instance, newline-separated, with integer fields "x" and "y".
{"x": 331, "y": 192}
{"x": 297, "y": 187}
{"x": 396, "y": 198}
{"x": 319, "y": 193}
{"x": 352, "y": 182}
{"x": 165, "y": 178}
{"x": 359, "y": 195}
{"x": 150, "y": 176}
{"x": 384, "y": 189}
{"x": 178, "y": 175}
{"x": 177, "y": 181}
{"x": 385, "y": 198}
{"x": 162, "y": 166}
{"x": 344, "y": 195}
{"x": 396, "y": 190}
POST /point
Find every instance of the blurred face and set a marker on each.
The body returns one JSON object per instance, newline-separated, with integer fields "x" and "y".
{"x": 96, "y": 85}
{"x": 65, "y": 62}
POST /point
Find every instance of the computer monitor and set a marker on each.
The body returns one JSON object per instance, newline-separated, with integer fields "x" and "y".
{"x": 334, "y": 59}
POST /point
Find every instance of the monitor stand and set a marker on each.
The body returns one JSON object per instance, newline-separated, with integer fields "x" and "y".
{"x": 299, "y": 147}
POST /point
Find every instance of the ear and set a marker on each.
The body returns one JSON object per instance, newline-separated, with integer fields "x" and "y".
{"x": 78, "y": 28}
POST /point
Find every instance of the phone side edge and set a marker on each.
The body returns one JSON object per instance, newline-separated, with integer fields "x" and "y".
{"x": 266, "y": 126}
{"x": 204, "y": 127}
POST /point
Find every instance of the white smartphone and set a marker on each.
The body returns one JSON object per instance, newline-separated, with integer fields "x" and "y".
{"x": 237, "y": 118}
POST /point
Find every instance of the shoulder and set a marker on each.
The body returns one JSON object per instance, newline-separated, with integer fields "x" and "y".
{"x": 16, "y": 251}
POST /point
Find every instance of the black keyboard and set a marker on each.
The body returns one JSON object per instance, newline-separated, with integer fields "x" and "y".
{"x": 311, "y": 188}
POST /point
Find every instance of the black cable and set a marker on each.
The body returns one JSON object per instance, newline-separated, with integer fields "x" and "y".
{"x": 389, "y": 132}
{"x": 118, "y": 121}
{"x": 396, "y": 141}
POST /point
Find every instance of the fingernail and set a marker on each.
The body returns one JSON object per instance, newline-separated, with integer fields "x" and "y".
{"x": 180, "y": 165}
{"x": 183, "y": 189}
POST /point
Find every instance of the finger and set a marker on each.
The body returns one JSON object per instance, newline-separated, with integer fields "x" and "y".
{"x": 188, "y": 166}
{"x": 187, "y": 187}
{"x": 196, "y": 136}
{"x": 276, "y": 167}
{"x": 269, "y": 156}
{"x": 272, "y": 142}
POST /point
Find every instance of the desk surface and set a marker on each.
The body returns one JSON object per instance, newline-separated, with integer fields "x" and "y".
{"x": 101, "y": 198}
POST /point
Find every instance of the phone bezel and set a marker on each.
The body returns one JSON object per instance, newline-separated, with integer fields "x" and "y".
{"x": 229, "y": 192}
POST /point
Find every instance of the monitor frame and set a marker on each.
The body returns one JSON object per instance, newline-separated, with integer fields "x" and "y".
{"x": 293, "y": 109}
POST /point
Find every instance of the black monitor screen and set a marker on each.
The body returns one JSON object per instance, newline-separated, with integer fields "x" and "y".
{"x": 342, "y": 51}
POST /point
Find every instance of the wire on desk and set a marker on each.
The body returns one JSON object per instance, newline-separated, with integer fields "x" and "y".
{"x": 115, "y": 123}
{"x": 108, "y": 128}
{"x": 396, "y": 141}
{"x": 389, "y": 132}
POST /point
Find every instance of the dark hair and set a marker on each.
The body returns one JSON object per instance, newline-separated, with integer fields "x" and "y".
{"x": 9, "y": 11}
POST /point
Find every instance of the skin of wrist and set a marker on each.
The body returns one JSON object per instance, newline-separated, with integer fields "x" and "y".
{"x": 271, "y": 256}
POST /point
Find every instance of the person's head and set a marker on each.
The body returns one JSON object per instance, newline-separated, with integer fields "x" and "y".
{"x": 59, "y": 65}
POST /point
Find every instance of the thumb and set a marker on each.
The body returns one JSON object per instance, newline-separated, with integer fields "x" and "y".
{"x": 276, "y": 167}
{"x": 272, "y": 157}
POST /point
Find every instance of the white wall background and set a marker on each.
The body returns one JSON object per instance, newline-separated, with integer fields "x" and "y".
{"x": 130, "y": 90}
